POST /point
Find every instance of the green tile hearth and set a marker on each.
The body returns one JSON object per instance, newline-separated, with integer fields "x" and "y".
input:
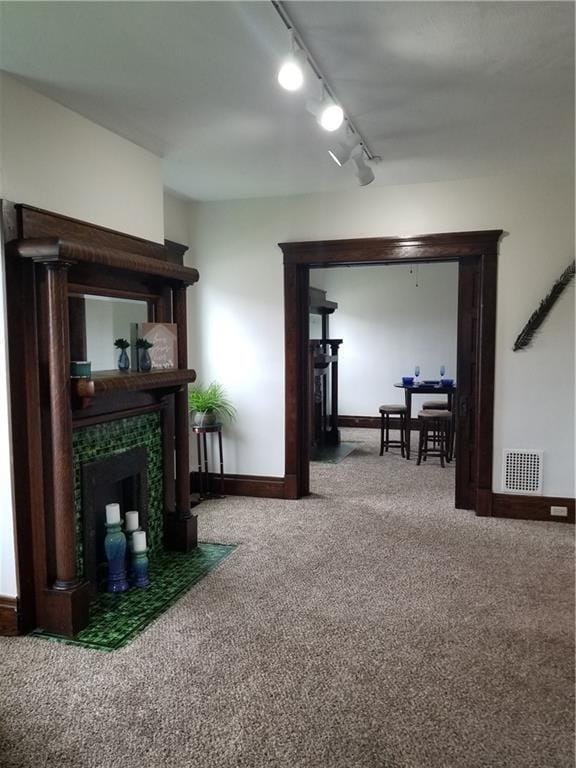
{"x": 116, "y": 619}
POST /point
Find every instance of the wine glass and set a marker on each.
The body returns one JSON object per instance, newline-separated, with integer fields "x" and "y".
{"x": 416, "y": 372}
{"x": 442, "y": 371}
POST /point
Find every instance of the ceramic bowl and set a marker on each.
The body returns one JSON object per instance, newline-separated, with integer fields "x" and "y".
{"x": 407, "y": 380}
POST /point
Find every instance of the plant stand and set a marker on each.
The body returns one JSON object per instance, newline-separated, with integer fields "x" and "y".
{"x": 203, "y": 474}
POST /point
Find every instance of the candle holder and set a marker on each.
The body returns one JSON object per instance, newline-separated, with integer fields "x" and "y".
{"x": 139, "y": 570}
{"x": 115, "y": 548}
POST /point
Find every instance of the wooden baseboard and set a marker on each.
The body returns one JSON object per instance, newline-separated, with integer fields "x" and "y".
{"x": 9, "y": 616}
{"x": 372, "y": 422}
{"x": 245, "y": 485}
{"x": 530, "y": 507}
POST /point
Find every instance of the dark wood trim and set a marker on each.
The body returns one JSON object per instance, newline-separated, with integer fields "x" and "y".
{"x": 299, "y": 257}
{"x": 131, "y": 381}
{"x": 176, "y": 251}
{"x": 9, "y": 618}
{"x": 372, "y": 422}
{"x": 57, "y": 249}
{"x": 379, "y": 250}
{"x": 128, "y": 413}
{"x": 37, "y": 222}
{"x": 530, "y": 507}
{"x": 243, "y": 485}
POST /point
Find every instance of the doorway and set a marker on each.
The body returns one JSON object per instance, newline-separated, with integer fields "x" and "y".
{"x": 476, "y": 254}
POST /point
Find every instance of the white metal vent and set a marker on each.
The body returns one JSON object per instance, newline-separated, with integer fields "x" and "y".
{"x": 523, "y": 472}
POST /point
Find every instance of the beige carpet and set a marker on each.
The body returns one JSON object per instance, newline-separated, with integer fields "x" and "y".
{"x": 371, "y": 625}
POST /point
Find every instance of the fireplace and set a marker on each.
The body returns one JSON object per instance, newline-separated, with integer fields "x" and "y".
{"x": 122, "y": 478}
{"x": 60, "y": 424}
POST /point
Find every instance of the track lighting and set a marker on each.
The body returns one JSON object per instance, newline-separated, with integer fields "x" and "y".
{"x": 364, "y": 173}
{"x": 328, "y": 113}
{"x": 291, "y": 73}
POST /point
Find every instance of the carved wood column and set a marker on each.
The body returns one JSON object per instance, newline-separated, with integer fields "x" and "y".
{"x": 64, "y": 518}
{"x": 182, "y": 525}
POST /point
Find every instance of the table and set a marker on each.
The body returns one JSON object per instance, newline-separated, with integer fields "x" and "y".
{"x": 423, "y": 389}
{"x": 203, "y": 476}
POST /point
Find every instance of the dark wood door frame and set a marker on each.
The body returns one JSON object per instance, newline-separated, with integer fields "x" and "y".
{"x": 299, "y": 257}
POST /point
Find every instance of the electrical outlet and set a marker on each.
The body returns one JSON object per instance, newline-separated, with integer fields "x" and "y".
{"x": 559, "y": 511}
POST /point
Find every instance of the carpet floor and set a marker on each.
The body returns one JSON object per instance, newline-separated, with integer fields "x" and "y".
{"x": 370, "y": 625}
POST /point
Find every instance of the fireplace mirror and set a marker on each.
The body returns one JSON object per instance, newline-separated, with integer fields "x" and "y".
{"x": 97, "y": 321}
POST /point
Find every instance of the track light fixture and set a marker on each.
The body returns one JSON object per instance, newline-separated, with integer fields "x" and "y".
{"x": 291, "y": 73}
{"x": 342, "y": 152}
{"x": 327, "y": 111}
{"x": 364, "y": 173}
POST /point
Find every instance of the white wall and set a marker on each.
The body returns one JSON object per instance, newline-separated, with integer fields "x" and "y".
{"x": 240, "y": 300}
{"x": 177, "y": 213}
{"x": 391, "y": 318}
{"x": 53, "y": 158}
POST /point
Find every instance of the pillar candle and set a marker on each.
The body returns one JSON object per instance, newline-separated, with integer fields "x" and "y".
{"x": 112, "y": 514}
{"x": 131, "y": 521}
{"x": 139, "y": 541}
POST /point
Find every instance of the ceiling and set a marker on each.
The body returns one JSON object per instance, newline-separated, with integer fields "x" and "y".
{"x": 441, "y": 90}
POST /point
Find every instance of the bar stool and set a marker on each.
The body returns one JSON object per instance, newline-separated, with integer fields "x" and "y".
{"x": 435, "y": 405}
{"x": 435, "y": 428}
{"x": 385, "y": 412}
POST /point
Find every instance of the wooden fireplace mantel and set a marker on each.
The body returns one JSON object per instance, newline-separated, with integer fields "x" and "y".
{"x": 51, "y": 250}
{"x": 51, "y": 262}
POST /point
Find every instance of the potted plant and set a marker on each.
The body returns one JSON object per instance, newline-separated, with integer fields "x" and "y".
{"x": 209, "y": 404}
{"x": 123, "y": 359}
{"x": 144, "y": 361}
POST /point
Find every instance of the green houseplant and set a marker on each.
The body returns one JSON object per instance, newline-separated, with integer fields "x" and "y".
{"x": 209, "y": 404}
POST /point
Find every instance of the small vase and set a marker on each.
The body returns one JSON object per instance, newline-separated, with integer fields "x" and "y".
{"x": 115, "y": 548}
{"x": 145, "y": 361}
{"x": 123, "y": 360}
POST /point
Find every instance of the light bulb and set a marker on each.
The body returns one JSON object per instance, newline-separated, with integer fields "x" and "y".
{"x": 290, "y": 75}
{"x": 331, "y": 117}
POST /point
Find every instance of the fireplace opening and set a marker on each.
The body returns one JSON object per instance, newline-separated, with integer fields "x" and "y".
{"x": 122, "y": 478}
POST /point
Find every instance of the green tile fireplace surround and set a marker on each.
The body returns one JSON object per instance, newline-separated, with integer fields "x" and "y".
{"x": 115, "y": 619}
{"x": 104, "y": 440}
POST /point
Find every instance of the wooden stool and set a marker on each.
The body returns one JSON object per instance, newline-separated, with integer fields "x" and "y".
{"x": 435, "y": 405}
{"x": 435, "y": 427}
{"x": 385, "y": 412}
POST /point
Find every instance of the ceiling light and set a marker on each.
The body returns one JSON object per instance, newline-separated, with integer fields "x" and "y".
{"x": 291, "y": 73}
{"x": 364, "y": 173}
{"x": 331, "y": 117}
{"x": 328, "y": 114}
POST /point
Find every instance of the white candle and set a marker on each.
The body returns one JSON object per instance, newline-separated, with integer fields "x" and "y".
{"x": 131, "y": 520}
{"x": 139, "y": 541}
{"x": 112, "y": 514}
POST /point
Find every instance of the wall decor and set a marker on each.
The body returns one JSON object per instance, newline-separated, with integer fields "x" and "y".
{"x": 539, "y": 315}
{"x": 164, "y": 340}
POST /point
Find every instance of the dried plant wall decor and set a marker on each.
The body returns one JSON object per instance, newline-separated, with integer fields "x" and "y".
{"x": 539, "y": 315}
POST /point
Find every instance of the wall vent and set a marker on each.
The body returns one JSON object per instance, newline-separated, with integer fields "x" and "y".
{"x": 523, "y": 472}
